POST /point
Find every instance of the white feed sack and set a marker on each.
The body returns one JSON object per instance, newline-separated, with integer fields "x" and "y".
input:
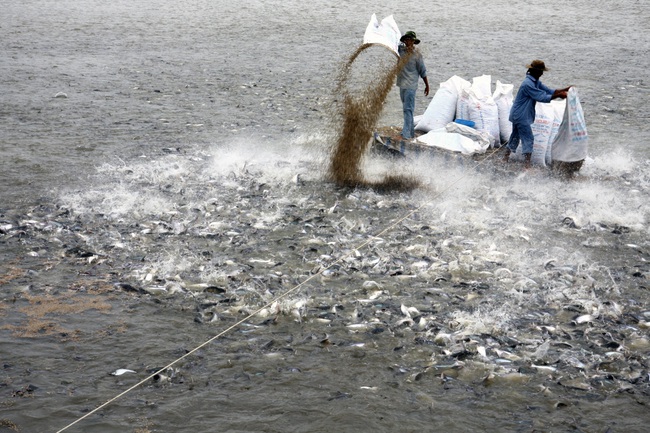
{"x": 571, "y": 142}
{"x": 451, "y": 141}
{"x": 558, "y": 107}
{"x": 482, "y": 138}
{"x": 484, "y": 113}
{"x": 482, "y": 86}
{"x": 385, "y": 33}
{"x": 442, "y": 108}
{"x": 476, "y": 104}
{"x": 503, "y": 97}
{"x": 479, "y": 87}
{"x": 542, "y": 127}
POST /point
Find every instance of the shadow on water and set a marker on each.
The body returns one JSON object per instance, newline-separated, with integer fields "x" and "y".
{"x": 359, "y": 111}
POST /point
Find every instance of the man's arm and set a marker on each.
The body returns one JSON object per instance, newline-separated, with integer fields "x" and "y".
{"x": 560, "y": 93}
{"x": 541, "y": 94}
{"x": 426, "y": 86}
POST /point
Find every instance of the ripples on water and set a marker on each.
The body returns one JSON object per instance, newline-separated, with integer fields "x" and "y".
{"x": 507, "y": 302}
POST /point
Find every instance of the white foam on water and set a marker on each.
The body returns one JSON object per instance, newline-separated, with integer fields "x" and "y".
{"x": 268, "y": 160}
{"x": 138, "y": 188}
{"x": 518, "y": 221}
{"x": 500, "y": 230}
{"x": 605, "y": 203}
{"x": 135, "y": 189}
{"x": 167, "y": 265}
{"x": 246, "y": 182}
{"x": 486, "y": 319}
{"x": 116, "y": 201}
{"x": 615, "y": 162}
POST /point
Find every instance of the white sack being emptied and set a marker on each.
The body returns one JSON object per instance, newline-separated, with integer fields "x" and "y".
{"x": 385, "y": 33}
{"x": 571, "y": 142}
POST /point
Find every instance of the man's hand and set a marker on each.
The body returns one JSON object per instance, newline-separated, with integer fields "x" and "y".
{"x": 426, "y": 90}
{"x": 559, "y": 93}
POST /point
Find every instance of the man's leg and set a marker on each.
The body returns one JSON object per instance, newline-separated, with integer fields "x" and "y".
{"x": 408, "y": 106}
{"x": 527, "y": 140}
{"x": 513, "y": 143}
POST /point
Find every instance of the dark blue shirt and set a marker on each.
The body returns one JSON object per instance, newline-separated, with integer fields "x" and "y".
{"x": 531, "y": 91}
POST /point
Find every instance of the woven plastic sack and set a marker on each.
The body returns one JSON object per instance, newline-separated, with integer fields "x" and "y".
{"x": 558, "y": 109}
{"x": 479, "y": 87}
{"x": 442, "y": 108}
{"x": 451, "y": 141}
{"x": 482, "y": 138}
{"x": 542, "y": 127}
{"x": 482, "y": 86}
{"x": 385, "y": 33}
{"x": 503, "y": 98}
{"x": 571, "y": 142}
{"x": 480, "y": 109}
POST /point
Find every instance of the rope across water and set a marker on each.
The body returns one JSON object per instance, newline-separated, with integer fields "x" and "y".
{"x": 281, "y": 296}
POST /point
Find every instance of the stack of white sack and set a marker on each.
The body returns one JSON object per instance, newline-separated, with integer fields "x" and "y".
{"x": 476, "y": 103}
{"x": 560, "y": 135}
{"x": 457, "y": 98}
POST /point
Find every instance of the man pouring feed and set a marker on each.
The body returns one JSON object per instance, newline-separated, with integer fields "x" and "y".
{"x": 408, "y": 78}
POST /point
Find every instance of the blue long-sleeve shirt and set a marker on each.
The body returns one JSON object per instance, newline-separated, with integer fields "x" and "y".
{"x": 531, "y": 91}
{"x": 413, "y": 70}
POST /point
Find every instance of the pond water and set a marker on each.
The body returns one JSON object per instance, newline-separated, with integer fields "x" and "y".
{"x": 164, "y": 184}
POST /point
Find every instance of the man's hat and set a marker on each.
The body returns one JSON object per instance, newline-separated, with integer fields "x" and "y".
{"x": 410, "y": 35}
{"x": 537, "y": 64}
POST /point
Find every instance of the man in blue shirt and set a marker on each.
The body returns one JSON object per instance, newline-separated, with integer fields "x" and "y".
{"x": 408, "y": 78}
{"x": 522, "y": 113}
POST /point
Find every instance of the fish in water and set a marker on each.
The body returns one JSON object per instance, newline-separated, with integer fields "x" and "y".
{"x": 121, "y": 371}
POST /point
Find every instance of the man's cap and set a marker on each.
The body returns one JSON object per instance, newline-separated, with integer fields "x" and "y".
{"x": 410, "y": 35}
{"x": 537, "y": 64}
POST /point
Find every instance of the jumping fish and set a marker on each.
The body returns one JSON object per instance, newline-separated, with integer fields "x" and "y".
{"x": 121, "y": 371}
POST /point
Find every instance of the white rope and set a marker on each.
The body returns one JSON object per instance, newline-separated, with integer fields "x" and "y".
{"x": 277, "y": 298}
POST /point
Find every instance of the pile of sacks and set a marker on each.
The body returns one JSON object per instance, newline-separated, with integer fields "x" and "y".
{"x": 560, "y": 133}
{"x": 458, "y": 100}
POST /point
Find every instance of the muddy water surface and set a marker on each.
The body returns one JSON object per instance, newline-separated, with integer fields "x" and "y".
{"x": 165, "y": 175}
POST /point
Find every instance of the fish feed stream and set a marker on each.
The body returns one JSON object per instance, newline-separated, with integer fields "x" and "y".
{"x": 170, "y": 168}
